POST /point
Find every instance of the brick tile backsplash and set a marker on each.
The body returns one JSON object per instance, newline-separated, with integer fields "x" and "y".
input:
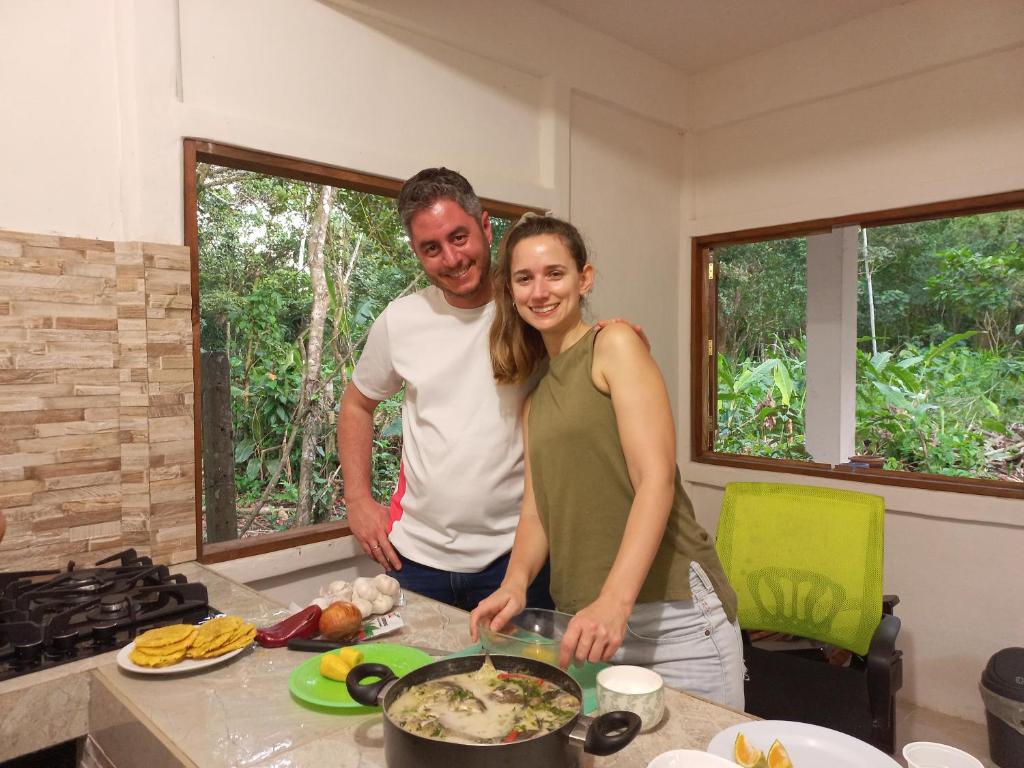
{"x": 96, "y": 400}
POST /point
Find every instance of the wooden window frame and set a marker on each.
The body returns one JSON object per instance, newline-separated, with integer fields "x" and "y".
{"x": 230, "y": 156}
{"x": 703, "y": 345}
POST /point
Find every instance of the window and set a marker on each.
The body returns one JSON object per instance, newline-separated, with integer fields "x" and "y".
{"x": 762, "y": 350}
{"x": 887, "y": 346}
{"x": 293, "y": 261}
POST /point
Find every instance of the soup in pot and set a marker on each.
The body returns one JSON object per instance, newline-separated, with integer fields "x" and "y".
{"x": 487, "y": 706}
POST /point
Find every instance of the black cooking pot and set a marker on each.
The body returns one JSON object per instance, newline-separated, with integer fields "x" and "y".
{"x": 602, "y": 735}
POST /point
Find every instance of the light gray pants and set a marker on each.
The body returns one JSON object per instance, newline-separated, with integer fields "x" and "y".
{"x": 690, "y": 643}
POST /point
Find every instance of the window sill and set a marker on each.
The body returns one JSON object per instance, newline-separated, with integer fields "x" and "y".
{"x": 271, "y": 542}
{"x": 282, "y": 562}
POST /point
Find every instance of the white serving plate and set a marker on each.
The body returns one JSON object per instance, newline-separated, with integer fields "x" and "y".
{"x": 809, "y": 746}
{"x": 185, "y": 665}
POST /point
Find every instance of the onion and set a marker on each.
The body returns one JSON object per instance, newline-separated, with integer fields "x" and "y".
{"x": 340, "y": 621}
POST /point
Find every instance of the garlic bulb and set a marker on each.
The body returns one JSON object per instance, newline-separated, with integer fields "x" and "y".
{"x": 383, "y": 604}
{"x": 337, "y": 586}
{"x": 365, "y": 606}
{"x": 323, "y": 602}
{"x": 344, "y": 595}
{"x": 386, "y": 585}
{"x": 365, "y": 588}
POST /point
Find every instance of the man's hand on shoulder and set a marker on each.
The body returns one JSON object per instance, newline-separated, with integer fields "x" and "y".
{"x": 602, "y": 324}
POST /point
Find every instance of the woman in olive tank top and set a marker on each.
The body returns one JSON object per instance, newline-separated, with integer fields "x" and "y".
{"x": 603, "y": 497}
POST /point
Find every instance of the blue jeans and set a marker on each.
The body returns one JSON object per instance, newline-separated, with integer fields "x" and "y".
{"x": 465, "y": 590}
{"x": 690, "y": 643}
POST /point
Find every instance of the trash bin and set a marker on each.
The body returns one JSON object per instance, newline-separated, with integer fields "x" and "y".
{"x": 1002, "y": 690}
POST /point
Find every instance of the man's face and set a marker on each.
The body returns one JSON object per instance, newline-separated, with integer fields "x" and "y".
{"x": 454, "y": 249}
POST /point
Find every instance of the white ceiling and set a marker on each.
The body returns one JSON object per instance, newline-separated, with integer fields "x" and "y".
{"x": 697, "y": 35}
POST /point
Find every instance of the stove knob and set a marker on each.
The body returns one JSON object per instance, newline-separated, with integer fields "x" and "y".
{"x": 104, "y": 635}
{"x": 28, "y": 654}
{"x": 63, "y": 645}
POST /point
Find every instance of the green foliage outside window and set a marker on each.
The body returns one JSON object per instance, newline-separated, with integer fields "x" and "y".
{"x": 943, "y": 393}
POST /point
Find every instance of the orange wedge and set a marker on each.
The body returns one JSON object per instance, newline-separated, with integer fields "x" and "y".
{"x": 746, "y": 754}
{"x": 778, "y": 757}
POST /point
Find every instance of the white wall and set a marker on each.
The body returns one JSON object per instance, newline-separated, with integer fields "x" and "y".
{"x": 60, "y": 146}
{"x": 919, "y": 103}
{"x": 626, "y": 172}
{"x": 104, "y": 95}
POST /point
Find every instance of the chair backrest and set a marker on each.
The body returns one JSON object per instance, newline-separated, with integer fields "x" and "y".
{"x": 805, "y": 560}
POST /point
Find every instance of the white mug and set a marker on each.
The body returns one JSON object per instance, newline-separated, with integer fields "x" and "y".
{"x": 632, "y": 689}
{"x": 928, "y": 754}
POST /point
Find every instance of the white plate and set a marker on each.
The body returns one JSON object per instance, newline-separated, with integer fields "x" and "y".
{"x": 185, "y": 665}
{"x": 809, "y": 746}
{"x": 689, "y": 758}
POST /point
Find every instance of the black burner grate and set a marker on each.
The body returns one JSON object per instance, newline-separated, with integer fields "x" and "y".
{"x": 53, "y": 617}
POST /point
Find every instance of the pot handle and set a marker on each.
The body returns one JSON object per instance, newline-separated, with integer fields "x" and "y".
{"x": 369, "y": 694}
{"x": 599, "y": 734}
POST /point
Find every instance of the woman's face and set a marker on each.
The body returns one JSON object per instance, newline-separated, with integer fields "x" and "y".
{"x": 547, "y": 285}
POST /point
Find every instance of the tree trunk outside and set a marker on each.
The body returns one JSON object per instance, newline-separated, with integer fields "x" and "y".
{"x": 312, "y": 384}
{"x": 218, "y": 448}
{"x": 870, "y": 290}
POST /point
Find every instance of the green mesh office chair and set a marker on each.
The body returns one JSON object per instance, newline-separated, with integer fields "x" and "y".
{"x": 807, "y": 562}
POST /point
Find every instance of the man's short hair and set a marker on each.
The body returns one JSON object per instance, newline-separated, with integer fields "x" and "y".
{"x": 433, "y": 184}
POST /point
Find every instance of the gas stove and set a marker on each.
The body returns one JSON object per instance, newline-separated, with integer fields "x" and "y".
{"x": 49, "y": 618}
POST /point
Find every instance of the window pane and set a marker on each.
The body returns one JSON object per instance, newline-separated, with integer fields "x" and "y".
{"x": 940, "y": 368}
{"x": 761, "y": 340}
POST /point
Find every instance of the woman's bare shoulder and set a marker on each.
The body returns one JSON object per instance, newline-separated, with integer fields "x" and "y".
{"x": 619, "y": 339}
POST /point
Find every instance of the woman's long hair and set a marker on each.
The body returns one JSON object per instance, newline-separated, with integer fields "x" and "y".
{"x": 516, "y": 346}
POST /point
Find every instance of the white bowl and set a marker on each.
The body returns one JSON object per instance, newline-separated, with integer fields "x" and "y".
{"x": 689, "y": 758}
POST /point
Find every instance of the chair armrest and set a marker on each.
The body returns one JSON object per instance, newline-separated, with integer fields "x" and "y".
{"x": 884, "y": 666}
{"x": 889, "y": 602}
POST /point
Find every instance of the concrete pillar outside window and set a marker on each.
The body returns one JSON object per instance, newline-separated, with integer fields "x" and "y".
{"x": 830, "y": 408}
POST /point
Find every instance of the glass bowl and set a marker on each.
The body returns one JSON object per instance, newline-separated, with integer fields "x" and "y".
{"x": 533, "y": 634}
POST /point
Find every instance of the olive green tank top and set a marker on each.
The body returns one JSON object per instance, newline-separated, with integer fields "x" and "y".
{"x": 584, "y": 493}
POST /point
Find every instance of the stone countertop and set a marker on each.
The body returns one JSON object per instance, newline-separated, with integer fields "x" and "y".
{"x": 241, "y": 713}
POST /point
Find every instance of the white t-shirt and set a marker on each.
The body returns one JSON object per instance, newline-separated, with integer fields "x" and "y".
{"x": 461, "y": 485}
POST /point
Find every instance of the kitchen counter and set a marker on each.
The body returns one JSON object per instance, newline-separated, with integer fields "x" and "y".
{"x": 241, "y": 713}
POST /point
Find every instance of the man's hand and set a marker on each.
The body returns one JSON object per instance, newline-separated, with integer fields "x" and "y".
{"x": 369, "y": 523}
{"x": 639, "y": 331}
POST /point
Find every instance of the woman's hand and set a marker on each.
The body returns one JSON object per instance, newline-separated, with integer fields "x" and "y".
{"x": 496, "y": 609}
{"x": 595, "y": 633}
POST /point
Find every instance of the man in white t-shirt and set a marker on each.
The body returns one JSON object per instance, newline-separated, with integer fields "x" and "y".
{"x": 449, "y": 528}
